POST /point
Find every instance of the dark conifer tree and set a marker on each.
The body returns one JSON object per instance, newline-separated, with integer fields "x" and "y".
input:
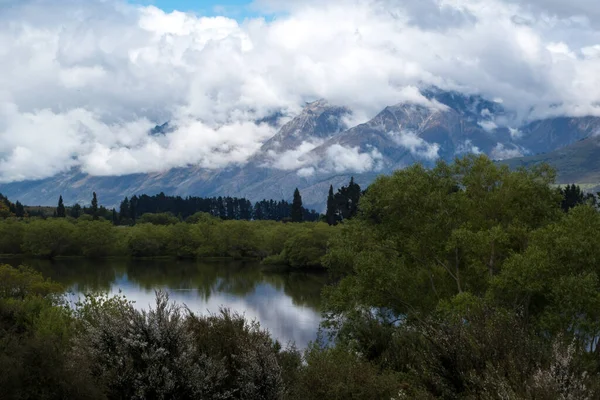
{"x": 94, "y": 207}
{"x": 60, "y": 210}
{"x": 354, "y": 193}
{"x": 221, "y": 208}
{"x": 19, "y": 210}
{"x": 297, "y": 210}
{"x": 115, "y": 217}
{"x": 230, "y": 206}
{"x": 572, "y": 197}
{"x": 258, "y": 212}
{"x": 75, "y": 211}
{"x": 331, "y": 207}
{"x": 133, "y": 208}
{"x": 125, "y": 210}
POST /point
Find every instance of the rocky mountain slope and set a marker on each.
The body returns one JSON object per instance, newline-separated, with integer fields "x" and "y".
{"x": 317, "y": 148}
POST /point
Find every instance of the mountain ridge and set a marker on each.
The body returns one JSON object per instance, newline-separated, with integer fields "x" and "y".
{"x": 317, "y": 148}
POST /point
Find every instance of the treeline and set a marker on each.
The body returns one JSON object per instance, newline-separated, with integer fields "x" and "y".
{"x": 341, "y": 206}
{"x": 226, "y": 208}
{"x": 162, "y": 235}
{"x": 130, "y": 210}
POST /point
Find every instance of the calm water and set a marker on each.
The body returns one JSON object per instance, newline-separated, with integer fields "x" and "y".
{"x": 287, "y": 304}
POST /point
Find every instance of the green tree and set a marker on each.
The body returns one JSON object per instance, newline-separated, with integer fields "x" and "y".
{"x": 60, "y": 210}
{"x": 115, "y": 217}
{"x": 36, "y": 357}
{"x": 354, "y": 194}
{"x": 96, "y": 239}
{"x": 19, "y": 210}
{"x": 331, "y": 207}
{"x": 125, "y": 212}
{"x": 158, "y": 219}
{"x": 75, "y": 211}
{"x": 297, "y": 213}
{"x": 94, "y": 207}
{"x": 49, "y": 238}
{"x": 11, "y": 236}
{"x": 555, "y": 281}
{"x": 445, "y": 230}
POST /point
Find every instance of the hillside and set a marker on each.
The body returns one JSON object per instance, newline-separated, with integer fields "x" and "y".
{"x": 576, "y": 163}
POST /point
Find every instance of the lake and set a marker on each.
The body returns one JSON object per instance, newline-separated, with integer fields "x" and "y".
{"x": 285, "y": 303}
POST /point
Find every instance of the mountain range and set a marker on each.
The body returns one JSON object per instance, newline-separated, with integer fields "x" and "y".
{"x": 318, "y": 147}
{"x": 578, "y": 163}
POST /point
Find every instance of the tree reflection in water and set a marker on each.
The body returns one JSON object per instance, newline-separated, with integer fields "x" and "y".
{"x": 287, "y": 303}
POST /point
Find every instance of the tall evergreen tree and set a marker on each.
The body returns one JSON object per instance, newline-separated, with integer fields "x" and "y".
{"x": 19, "y": 209}
{"x": 133, "y": 208}
{"x": 221, "y": 208}
{"x": 75, "y": 211}
{"x": 354, "y": 193}
{"x": 125, "y": 210}
{"x": 297, "y": 210}
{"x": 115, "y": 217}
{"x": 60, "y": 210}
{"x": 94, "y": 208}
{"x": 331, "y": 207}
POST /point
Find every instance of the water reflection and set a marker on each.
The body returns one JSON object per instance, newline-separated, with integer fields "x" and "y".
{"x": 287, "y": 304}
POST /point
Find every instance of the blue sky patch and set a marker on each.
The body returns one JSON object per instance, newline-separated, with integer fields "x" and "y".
{"x": 238, "y": 9}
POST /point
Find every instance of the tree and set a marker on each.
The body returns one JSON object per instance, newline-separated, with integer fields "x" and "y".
{"x": 133, "y": 207}
{"x": 60, "y": 210}
{"x": 115, "y": 217}
{"x": 446, "y": 230}
{"x": 297, "y": 213}
{"x": 331, "y": 207}
{"x": 94, "y": 208}
{"x": 221, "y": 208}
{"x": 19, "y": 210}
{"x": 354, "y": 194}
{"x": 125, "y": 212}
{"x": 75, "y": 211}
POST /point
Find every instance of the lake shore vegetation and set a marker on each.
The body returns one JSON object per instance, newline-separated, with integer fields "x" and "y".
{"x": 465, "y": 281}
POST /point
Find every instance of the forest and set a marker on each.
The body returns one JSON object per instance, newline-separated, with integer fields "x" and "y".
{"x": 464, "y": 281}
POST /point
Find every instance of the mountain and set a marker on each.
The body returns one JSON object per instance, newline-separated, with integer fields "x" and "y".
{"x": 550, "y": 134}
{"x": 408, "y": 133}
{"x": 317, "y": 148}
{"x": 578, "y": 162}
{"x": 318, "y": 121}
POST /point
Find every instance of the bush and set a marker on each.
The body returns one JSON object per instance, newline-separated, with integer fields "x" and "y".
{"x": 49, "y": 238}
{"x": 158, "y": 219}
{"x": 147, "y": 240}
{"x": 170, "y": 353}
{"x": 335, "y": 373}
{"x": 96, "y": 239}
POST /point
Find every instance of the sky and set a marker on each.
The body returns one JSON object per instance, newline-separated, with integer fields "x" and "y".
{"x": 236, "y": 9}
{"x": 83, "y": 81}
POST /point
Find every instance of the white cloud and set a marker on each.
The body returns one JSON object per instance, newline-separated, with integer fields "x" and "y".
{"x": 501, "y": 152}
{"x": 468, "y": 147}
{"x": 79, "y": 90}
{"x": 489, "y": 126}
{"x": 417, "y": 145}
{"x": 515, "y": 133}
{"x": 306, "y": 172}
{"x": 292, "y": 159}
{"x": 349, "y": 159}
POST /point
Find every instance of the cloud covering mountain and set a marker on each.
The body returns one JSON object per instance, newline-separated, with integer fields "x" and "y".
{"x": 82, "y": 83}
